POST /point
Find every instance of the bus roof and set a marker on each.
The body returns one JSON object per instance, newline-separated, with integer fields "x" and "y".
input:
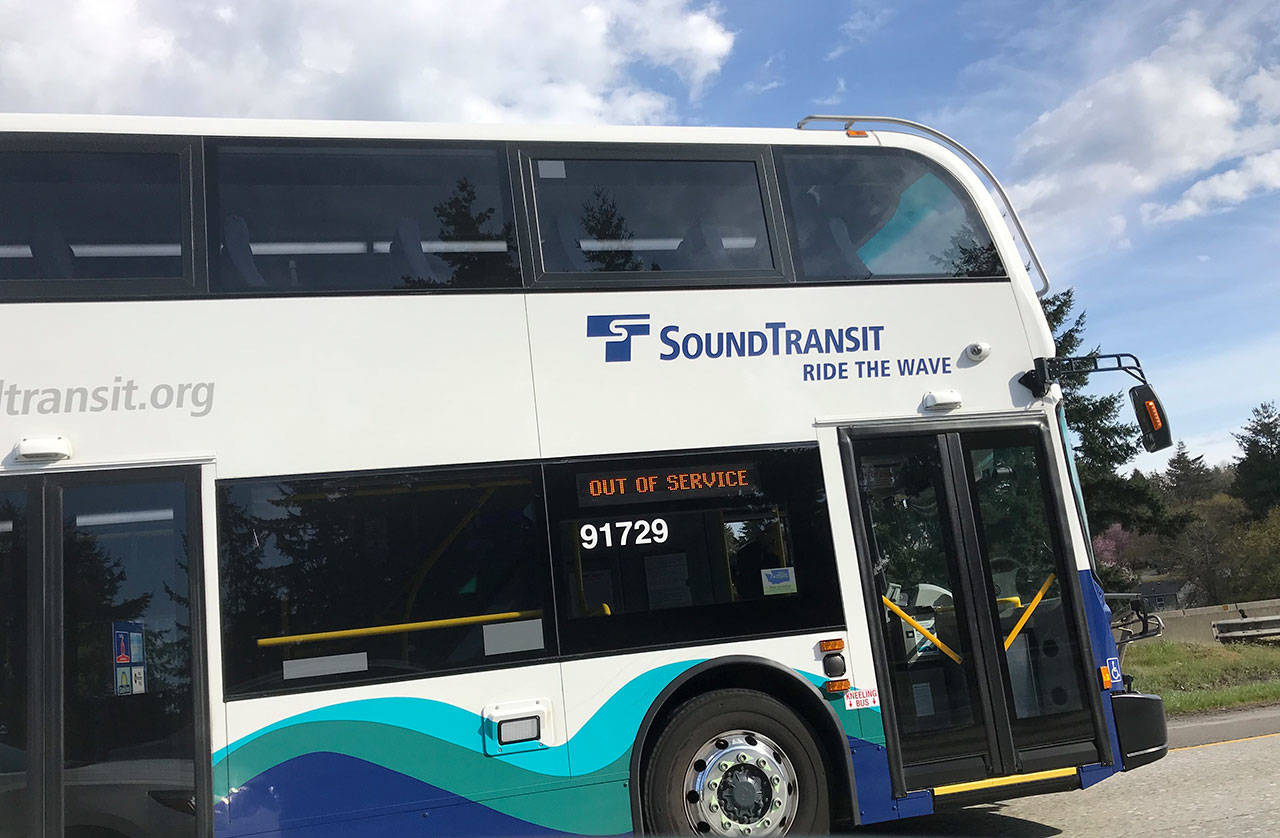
{"x": 357, "y": 129}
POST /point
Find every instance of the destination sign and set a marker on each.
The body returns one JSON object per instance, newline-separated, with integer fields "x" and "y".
{"x": 653, "y": 485}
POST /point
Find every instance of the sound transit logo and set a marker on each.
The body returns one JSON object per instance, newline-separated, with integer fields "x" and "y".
{"x": 620, "y": 328}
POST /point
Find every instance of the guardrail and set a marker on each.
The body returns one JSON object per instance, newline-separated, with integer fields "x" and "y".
{"x": 1246, "y": 628}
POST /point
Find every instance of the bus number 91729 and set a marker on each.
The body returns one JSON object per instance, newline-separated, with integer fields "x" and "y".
{"x": 623, "y": 532}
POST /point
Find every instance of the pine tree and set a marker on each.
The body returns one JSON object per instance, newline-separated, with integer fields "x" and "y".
{"x": 1257, "y": 480}
{"x": 1187, "y": 479}
{"x": 1103, "y": 442}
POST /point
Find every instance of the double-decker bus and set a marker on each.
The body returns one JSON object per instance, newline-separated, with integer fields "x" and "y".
{"x": 399, "y": 479}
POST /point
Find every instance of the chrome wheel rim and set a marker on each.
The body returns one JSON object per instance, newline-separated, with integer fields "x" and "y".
{"x": 740, "y": 783}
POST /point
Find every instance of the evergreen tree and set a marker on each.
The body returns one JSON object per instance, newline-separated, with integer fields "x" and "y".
{"x": 966, "y": 256}
{"x": 603, "y": 222}
{"x": 1103, "y": 442}
{"x": 1257, "y": 481}
{"x": 461, "y": 221}
{"x": 1187, "y": 479}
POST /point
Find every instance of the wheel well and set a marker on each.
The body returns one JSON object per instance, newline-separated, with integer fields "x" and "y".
{"x": 767, "y": 677}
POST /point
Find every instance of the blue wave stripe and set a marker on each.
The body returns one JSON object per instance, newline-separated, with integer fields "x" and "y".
{"x": 323, "y": 794}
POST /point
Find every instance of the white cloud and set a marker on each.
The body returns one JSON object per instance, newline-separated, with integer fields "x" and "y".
{"x": 865, "y": 19}
{"x": 1200, "y": 98}
{"x": 768, "y": 76}
{"x": 836, "y": 96}
{"x": 1257, "y": 174}
{"x": 480, "y": 60}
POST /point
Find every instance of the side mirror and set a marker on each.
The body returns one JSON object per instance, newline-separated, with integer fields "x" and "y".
{"x": 1151, "y": 418}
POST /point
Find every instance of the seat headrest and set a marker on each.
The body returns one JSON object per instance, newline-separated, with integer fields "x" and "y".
{"x": 235, "y": 247}
{"x": 407, "y": 256}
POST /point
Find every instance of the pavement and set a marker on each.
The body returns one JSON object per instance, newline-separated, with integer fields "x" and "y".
{"x": 1221, "y": 778}
{"x": 1203, "y": 728}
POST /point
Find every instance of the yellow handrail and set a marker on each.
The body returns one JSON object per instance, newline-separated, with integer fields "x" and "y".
{"x": 1026, "y": 615}
{"x": 946, "y": 650}
{"x": 398, "y": 628}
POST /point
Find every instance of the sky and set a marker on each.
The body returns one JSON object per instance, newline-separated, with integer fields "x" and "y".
{"x": 1139, "y": 140}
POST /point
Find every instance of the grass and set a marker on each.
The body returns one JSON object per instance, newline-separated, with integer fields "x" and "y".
{"x": 1192, "y": 677}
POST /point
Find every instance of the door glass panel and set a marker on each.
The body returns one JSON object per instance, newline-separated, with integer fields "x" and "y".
{"x": 13, "y": 662}
{"x": 923, "y": 615}
{"x": 1026, "y": 593}
{"x": 128, "y": 727}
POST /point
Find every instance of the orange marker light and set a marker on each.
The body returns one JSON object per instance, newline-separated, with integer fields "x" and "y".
{"x": 830, "y": 645}
{"x": 841, "y": 686}
{"x": 1106, "y": 677}
{"x": 853, "y": 133}
{"x": 1154, "y": 416}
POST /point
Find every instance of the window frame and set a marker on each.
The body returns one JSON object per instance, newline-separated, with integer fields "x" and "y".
{"x": 536, "y": 278}
{"x": 194, "y": 279}
{"x": 210, "y": 207}
{"x": 897, "y": 279}
{"x": 539, "y": 563}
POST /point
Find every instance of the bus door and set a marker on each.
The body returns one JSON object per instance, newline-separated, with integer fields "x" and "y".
{"x": 98, "y": 694}
{"x": 973, "y": 606}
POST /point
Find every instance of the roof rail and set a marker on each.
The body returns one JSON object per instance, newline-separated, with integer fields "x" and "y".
{"x": 969, "y": 157}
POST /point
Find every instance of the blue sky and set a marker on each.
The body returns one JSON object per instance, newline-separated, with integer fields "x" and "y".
{"x": 1140, "y": 140}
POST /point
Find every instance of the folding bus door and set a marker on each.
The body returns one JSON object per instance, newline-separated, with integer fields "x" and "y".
{"x": 972, "y": 603}
{"x": 99, "y": 683}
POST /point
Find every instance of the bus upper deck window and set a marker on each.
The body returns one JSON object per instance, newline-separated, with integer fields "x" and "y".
{"x": 608, "y": 216}
{"x": 73, "y": 215}
{"x": 868, "y": 213}
{"x": 314, "y": 220}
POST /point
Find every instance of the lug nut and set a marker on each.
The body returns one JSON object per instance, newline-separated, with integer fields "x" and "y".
{"x": 777, "y": 781}
{"x": 713, "y": 784}
{"x": 725, "y": 766}
{"x": 766, "y": 823}
{"x": 726, "y": 825}
{"x": 742, "y": 757}
{"x": 777, "y": 803}
{"x": 762, "y": 762}
{"x": 715, "y": 807}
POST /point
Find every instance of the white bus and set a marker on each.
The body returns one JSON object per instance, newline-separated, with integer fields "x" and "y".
{"x": 411, "y": 479}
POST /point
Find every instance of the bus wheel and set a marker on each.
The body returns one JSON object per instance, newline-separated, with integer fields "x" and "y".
{"x": 735, "y": 762}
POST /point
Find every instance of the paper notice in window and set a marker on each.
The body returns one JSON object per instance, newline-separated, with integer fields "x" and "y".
{"x": 778, "y": 580}
{"x": 667, "y": 579}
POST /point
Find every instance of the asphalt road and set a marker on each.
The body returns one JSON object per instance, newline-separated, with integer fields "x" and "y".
{"x": 1208, "y": 787}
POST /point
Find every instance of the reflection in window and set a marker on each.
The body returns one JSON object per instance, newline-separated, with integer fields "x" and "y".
{"x": 650, "y": 215}
{"x": 125, "y": 570}
{"x": 90, "y": 215}
{"x": 862, "y": 213}
{"x": 390, "y": 560}
{"x": 315, "y": 220}
{"x": 923, "y": 619}
{"x": 13, "y": 655}
{"x": 656, "y": 549}
{"x": 1032, "y": 614}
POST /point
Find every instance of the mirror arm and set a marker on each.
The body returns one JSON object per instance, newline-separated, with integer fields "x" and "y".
{"x": 1049, "y": 370}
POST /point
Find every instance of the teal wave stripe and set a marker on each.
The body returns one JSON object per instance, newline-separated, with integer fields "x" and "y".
{"x": 595, "y": 745}
{"x": 862, "y": 723}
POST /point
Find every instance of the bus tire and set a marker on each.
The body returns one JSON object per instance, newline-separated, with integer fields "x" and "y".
{"x": 733, "y": 759}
